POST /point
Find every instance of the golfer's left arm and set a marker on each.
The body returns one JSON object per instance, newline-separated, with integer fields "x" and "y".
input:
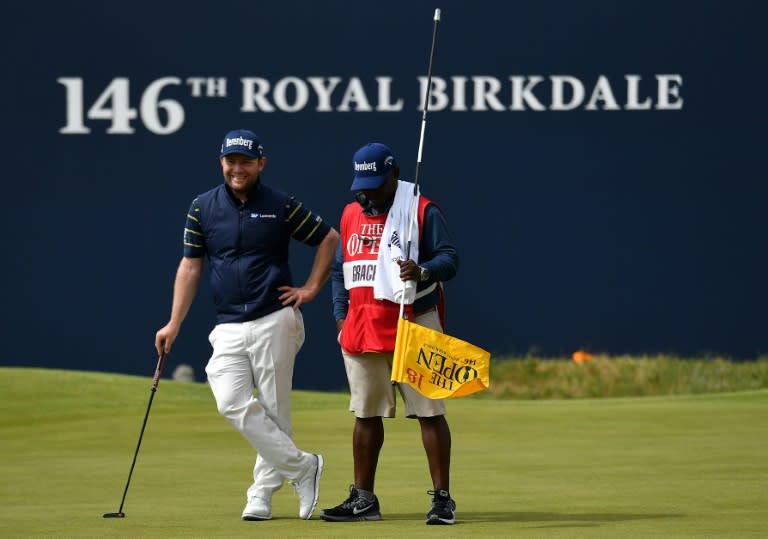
{"x": 321, "y": 270}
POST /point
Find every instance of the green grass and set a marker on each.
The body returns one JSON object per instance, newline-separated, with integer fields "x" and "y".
{"x": 622, "y": 376}
{"x": 682, "y": 466}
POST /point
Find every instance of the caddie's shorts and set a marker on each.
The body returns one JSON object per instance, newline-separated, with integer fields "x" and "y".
{"x": 372, "y": 391}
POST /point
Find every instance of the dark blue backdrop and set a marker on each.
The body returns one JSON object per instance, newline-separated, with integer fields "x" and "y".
{"x": 619, "y": 231}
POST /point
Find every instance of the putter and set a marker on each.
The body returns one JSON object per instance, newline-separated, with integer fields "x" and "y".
{"x": 155, "y": 382}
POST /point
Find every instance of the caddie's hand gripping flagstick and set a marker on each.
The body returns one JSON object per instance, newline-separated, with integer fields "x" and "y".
{"x": 414, "y": 205}
{"x": 155, "y": 382}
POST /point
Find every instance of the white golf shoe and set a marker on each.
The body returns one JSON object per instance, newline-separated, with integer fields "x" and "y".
{"x": 308, "y": 488}
{"x": 257, "y": 509}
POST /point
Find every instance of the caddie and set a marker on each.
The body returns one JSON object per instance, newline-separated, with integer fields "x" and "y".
{"x": 370, "y": 275}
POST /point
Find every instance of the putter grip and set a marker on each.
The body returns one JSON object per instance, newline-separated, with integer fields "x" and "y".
{"x": 158, "y": 371}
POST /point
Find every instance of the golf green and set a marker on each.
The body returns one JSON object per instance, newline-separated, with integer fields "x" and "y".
{"x": 690, "y": 466}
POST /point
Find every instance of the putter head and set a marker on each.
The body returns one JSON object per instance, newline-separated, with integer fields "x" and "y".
{"x": 119, "y": 514}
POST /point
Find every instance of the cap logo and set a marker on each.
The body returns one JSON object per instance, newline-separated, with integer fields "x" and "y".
{"x": 364, "y": 166}
{"x": 240, "y": 141}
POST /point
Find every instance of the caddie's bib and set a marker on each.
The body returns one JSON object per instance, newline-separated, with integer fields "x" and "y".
{"x": 371, "y": 324}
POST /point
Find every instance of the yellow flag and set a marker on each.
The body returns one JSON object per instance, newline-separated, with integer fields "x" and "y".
{"x": 437, "y": 365}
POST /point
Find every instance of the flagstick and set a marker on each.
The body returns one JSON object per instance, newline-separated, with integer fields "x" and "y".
{"x": 415, "y": 205}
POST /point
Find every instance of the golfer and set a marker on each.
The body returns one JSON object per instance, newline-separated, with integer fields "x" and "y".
{"x": 244, "y": 227}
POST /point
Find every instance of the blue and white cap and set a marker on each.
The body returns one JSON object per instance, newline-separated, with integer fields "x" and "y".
{"x": 242, "y": 141}
{"x": 372, "y": 163}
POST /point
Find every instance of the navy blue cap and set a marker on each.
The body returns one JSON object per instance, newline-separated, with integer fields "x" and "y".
{"x": 372, "y": 163}
{"x": 242, "y": 141}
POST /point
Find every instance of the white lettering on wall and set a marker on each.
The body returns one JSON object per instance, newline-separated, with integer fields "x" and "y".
{"x": 293, "y": 94}
{"x": 574, "y": 88}
{"x": 669, "y": 86}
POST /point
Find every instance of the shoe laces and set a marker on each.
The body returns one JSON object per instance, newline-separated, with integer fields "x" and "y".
{"x": 354, "y": 499}
{"x": 442, "y": 499}
{"x": 299, "y": 482}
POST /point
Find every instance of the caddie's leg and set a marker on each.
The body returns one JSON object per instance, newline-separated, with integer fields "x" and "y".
{"x": 436, "y": 437}
{"x": 371, "y": 398}
{"x": 367, "y": 440}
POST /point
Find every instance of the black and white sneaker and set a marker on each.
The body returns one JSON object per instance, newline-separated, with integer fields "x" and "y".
{"x": 443, "y": 508}
{"x": 356, "y": 507}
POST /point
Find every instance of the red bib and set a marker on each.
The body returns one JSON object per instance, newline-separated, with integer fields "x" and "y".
{"x": 371, "y": 324}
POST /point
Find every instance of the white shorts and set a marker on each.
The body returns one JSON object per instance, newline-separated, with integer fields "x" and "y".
{"x": 373, "y": 392}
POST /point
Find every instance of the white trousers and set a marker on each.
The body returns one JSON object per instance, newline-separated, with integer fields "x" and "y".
{"x": 259, "y": 355}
